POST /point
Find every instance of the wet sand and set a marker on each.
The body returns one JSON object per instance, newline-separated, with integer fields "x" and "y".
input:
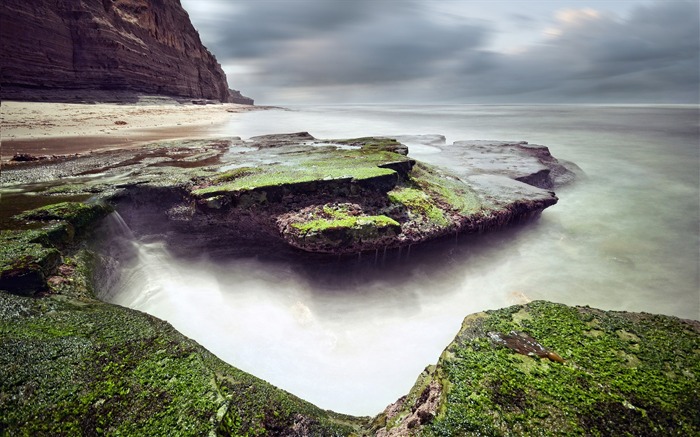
{"x": 46, "y": 129}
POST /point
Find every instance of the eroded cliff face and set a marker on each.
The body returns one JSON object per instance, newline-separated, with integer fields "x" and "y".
{"x": 138, "y": 46}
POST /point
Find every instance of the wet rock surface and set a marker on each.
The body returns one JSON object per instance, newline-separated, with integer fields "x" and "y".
{"x": 618, "y": 373}
{"x": 72, "y": 365}
{"x": 532, "y": 164}
{"x": 286, "y": 188}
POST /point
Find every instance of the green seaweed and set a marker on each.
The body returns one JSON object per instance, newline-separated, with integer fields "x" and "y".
{"x": 419, "y": 204}
{"x": 350, "y": 223}
{"x": 339, "y": 227}
{"x": 235, "y": 174}
{"x": 24, "y": 264}
{"x": 374, "y": 144}
{"x": 453, "y": 194}
{"x": 301, "y": 169}
{"x": 28, "y": 257}
{"x": 79, "y": 215}
{"x": 83, "y": 367}
{"x": 608, "y": 385}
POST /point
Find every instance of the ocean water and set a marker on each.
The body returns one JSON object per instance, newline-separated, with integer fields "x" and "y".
{"x": 625, "y": 237}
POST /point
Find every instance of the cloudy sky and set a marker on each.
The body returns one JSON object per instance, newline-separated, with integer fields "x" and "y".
{"x": 455, "y": 51}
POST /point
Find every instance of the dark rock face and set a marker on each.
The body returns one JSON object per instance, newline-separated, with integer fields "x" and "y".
{"x": 74, "y": 47}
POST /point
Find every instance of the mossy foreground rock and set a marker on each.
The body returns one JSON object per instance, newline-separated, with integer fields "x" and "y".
{"x": 623, "y": 374}
{"x": 83, "y": 367}
{"x": 72, "y": 365}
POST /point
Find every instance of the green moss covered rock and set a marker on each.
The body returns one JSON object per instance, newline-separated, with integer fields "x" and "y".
{"x": 623, "y": 374}
{"x": 83, "y": 367}
{"x": 28, "y": 257}
{"x": 79, "y": 215}
{"x": 25, "y": 265}
{"x": 333, "y": 226}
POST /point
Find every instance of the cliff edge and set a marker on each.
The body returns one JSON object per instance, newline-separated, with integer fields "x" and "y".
{"x": 72, "y": 50}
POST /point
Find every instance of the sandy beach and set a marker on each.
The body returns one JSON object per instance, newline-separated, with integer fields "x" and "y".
{"x": 40, "y": 128}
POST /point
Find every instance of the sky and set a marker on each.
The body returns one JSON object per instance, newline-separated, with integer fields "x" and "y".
{"x": 455, "y": 51}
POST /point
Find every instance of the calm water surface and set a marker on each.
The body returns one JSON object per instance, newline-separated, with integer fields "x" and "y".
{"x": 625, "y": 238}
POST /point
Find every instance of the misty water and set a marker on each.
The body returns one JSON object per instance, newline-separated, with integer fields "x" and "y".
{"x": 353, "y": 339}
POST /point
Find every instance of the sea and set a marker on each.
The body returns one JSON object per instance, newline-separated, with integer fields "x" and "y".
{"x": 625, "y": 237}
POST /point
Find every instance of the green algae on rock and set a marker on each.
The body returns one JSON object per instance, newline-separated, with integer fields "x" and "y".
{"x": 83, "y": 367}
{"x": 331, "y": 226}
{"x": 308, "y": 170}
{"x": 77, "y": 214}
{"x": 24, "y": 264}
{"x": 73, "y": 365}
{"x": 258, "y": 188}
{"x": 372, "y": 173}
{"x": 28, "y": 257}
{"x": 624, "y": 374}
{"x": 376, "y": 143}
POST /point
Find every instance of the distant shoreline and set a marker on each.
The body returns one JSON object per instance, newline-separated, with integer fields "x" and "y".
{"x": 46, "y": 129}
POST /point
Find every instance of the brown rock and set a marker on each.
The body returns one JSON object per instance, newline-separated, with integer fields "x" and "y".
{"x": 76, "y": 47}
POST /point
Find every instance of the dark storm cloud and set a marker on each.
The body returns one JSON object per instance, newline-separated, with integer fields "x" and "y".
{"x": 651, "y": 56}
{"x": 398, "y": 48}
{"x": 388, "y": 50}
{"x": 257, "y": 28}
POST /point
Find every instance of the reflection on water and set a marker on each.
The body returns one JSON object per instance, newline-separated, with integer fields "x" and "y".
{"x": 353, "y": 335}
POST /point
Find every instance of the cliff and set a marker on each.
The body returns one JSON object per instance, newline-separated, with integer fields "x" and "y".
{"x": 73, "y": 49}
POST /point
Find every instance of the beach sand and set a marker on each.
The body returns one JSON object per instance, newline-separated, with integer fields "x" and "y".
{"x": 39, "y": 128}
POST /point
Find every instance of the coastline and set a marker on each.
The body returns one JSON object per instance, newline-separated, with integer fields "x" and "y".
{"x": 46, "y": 129}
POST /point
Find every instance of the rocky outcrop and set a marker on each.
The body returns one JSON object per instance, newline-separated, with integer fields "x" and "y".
{"x": 28, "y": 259}
{"x": 322, "y": 196}
{"x": 532, "y": 164}
{"x": 81, "y": 50}
{"x": 550, "y": 369}
{"x": 73, "y": 365}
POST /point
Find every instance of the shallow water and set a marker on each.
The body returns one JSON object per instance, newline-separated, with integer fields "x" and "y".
{"x": 354, "y": 339}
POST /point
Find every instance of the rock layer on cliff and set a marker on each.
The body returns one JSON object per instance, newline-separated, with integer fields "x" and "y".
{"x": 68, "y": 49}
